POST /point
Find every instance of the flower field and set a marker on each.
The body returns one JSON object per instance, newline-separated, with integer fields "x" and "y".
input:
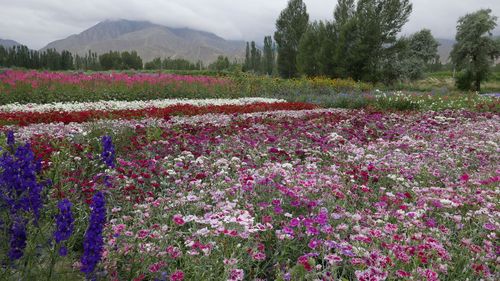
{"x": 245, "y": 189}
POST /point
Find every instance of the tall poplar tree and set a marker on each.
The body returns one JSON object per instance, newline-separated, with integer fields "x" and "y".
{"x": 290, "y": 26}
{"x": 268, "y": 58}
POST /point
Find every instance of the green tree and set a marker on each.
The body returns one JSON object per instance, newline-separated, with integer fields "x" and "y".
{"x": 3, "y": 56}
{"x": 131, "y": 60}
{"x": 111, "y": 60}
{"x": 222, "y": 63}
{"x": 475, "y": 50}
{"x": 424, "y": 47}
{"x": 290, "y": 26}
{"x": 247, "y": 64}
{"x": 308, "y": 55}
{"x": 156, "y": 63}
{"x": 66, "y": 60}
{"x": 377, "y": 23}
{"x": 268, "y": 58}
{"x": 344, "y": 26}
{"x": 255, "y": 58}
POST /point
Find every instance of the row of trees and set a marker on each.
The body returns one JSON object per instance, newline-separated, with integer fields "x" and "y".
{"x": 173, "y": 64}
{"x": 21, "y": 56}
{"x": 361, "y": 42}
{"x": 122, "y": 61}
{"x": 262, "y": 62}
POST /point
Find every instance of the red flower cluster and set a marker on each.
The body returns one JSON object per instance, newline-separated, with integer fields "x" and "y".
{"x": 26, "y": 118}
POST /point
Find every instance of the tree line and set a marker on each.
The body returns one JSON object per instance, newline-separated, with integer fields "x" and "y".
{"x": 50, "y": 59}
{"x": 361, "y": 42}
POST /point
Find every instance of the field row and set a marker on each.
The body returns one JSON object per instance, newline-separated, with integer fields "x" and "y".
{"x": 18, "y": 88}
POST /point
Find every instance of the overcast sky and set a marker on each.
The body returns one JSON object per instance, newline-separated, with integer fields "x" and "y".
{"x": 38, "y": 22}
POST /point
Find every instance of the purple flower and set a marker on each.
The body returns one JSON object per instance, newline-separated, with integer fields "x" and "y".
{"x": 17, "y": 238}
{"x": 10, "y": 139}
{"x": 93, "y": 241}
{"x": 108, "y": 151}
{"x": 64, "y": 223}
{"x": 19, "y": 186}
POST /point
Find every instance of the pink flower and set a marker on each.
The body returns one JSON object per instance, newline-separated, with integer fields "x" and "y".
{"x": 236, "y": 275}
{"x": 333, "y": 259}
{"x": 464, "y": 177}
{"x": 402, "y": 273}
{"x": 489, "y": 226}
{"x": 155, "y": 267}
{"x": 259, "y": 256}
{"x": 143, "y": 233}
{"x": 178, "y": 275}
{"x": 178, "y": 219}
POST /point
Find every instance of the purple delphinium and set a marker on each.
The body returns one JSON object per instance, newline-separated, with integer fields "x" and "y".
{"x": 64, "y": 223}
{"x": 20, "y": 192}
{"x": 17, "y": 238}
{"x": 18, "y": 181}
{"x": 93, "y": 240}
{"x": 108, "y": 151}
{"x": 10, "y": 139}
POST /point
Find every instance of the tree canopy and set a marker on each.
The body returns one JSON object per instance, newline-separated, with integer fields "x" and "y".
{"x": 475, "y": 50}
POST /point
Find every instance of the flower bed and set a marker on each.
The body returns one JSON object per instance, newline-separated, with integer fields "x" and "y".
{"x": 25, "y": 118}
{"x": 320, "y": 194}
{"x": 127, "y": 105}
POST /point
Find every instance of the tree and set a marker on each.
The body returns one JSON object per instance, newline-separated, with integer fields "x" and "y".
{"x": 154, "y": 64}
{"x": 131, "y": 60}
{"x": 111, "y": 60}
{"x": 475, "y": 50}
{"x": 255, "y": 58}
{"x": 268, "y": 57}
{"x": 344, "y": 26}
{"x": 424, "y": 47}
{"x": 247, "y": 64}
{"x": 370, "y": 35}
{"x": 307, "y": 60}
{"x": 290, "y": 26}
{"x": 66, "y": 60}
{"x": 222, "y": 63}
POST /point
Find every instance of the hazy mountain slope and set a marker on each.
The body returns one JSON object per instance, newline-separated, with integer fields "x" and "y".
{"x": 150, "y": 41}
{"x": 8, "y": 43}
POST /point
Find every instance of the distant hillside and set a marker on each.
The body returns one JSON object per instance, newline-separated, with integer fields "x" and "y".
{"x": 444, "y": 49}
{"x": 150, "y": 40}
{"x": 8, "y": 43}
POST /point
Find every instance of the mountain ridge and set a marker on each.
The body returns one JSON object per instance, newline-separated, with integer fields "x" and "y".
{"x": 150, "y": 40}
{"x": 7, "y": 43}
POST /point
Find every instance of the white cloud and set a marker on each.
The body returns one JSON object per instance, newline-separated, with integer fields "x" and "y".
{"x": 38, "y": 22}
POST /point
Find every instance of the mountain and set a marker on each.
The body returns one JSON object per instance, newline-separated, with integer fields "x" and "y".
{"x": 8, "y": 43}
{"x": 150, "y": 40}
{"x": 444, "y": 49}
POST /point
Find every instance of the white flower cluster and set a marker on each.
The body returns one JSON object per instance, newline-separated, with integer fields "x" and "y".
{"x": 127, "y": 105}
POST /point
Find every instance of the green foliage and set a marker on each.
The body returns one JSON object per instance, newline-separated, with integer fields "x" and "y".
{"x": 173, "y": 64}
{"x": 475, "y": 50}
{"x": 268, "y": 58}
{"x": 131, "y": 60}
{"x": 111, "y": 60}
{"x": 316, "y": 50}
{"x": 290, "y": 26}
{"x": 377, "y": 25}
{"x": 222, "y": 63}
{"x": 424, "y": 47}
